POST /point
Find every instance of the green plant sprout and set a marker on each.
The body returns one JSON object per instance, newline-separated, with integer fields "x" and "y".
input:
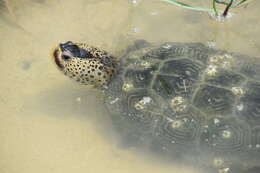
{"x": 228, "y": 3}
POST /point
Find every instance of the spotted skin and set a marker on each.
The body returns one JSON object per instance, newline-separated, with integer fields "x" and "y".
{"x": 85, "y": 64}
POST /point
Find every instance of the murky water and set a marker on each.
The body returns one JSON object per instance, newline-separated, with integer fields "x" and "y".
{"x": 51, "y": 124}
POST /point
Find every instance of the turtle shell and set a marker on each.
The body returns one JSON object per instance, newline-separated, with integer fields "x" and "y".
{"x": 194, "y": 103}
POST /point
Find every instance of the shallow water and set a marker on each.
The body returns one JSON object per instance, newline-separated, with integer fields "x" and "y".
{"x": 51, "y": 124}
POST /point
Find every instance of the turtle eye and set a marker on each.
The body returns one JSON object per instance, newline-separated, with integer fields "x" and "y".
{"x": 65, "y": 57}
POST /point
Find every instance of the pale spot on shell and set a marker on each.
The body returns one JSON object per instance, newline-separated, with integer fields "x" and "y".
{"x": 176, "y": 123}
{"x": 226, "y": 134}
{"x": 237, "y": 91}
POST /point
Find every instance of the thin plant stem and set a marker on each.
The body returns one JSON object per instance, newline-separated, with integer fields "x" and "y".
{"x": 227, "y": 8}
{"x": 214, "y": 7}
{"x": 183, "y": 5}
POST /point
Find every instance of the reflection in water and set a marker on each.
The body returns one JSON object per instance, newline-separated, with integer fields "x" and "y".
{"x": 50, "y": 124}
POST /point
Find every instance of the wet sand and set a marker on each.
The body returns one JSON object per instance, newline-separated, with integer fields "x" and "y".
{"x": 52, "y": 124}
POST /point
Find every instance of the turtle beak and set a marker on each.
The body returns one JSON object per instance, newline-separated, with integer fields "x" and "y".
{"x": 55, "y": 54}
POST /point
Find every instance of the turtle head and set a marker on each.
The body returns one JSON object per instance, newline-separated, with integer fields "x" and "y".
{"x": 85, "y": 64}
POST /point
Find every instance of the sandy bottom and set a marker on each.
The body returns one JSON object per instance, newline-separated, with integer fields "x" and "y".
{"x": 51, "y": 124}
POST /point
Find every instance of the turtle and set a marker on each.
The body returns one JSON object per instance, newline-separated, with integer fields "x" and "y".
{"x": 187, "y": 101}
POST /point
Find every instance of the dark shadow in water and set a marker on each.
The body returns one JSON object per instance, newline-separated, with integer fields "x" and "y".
{"x": 253, "y": 170}
{"x": 63, "y": 102}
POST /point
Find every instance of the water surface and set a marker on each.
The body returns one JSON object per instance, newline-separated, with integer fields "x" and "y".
{"x": 51, "y": 124}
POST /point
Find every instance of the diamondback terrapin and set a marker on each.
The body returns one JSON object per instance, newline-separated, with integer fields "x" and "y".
{"x": 186, "y": 100}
